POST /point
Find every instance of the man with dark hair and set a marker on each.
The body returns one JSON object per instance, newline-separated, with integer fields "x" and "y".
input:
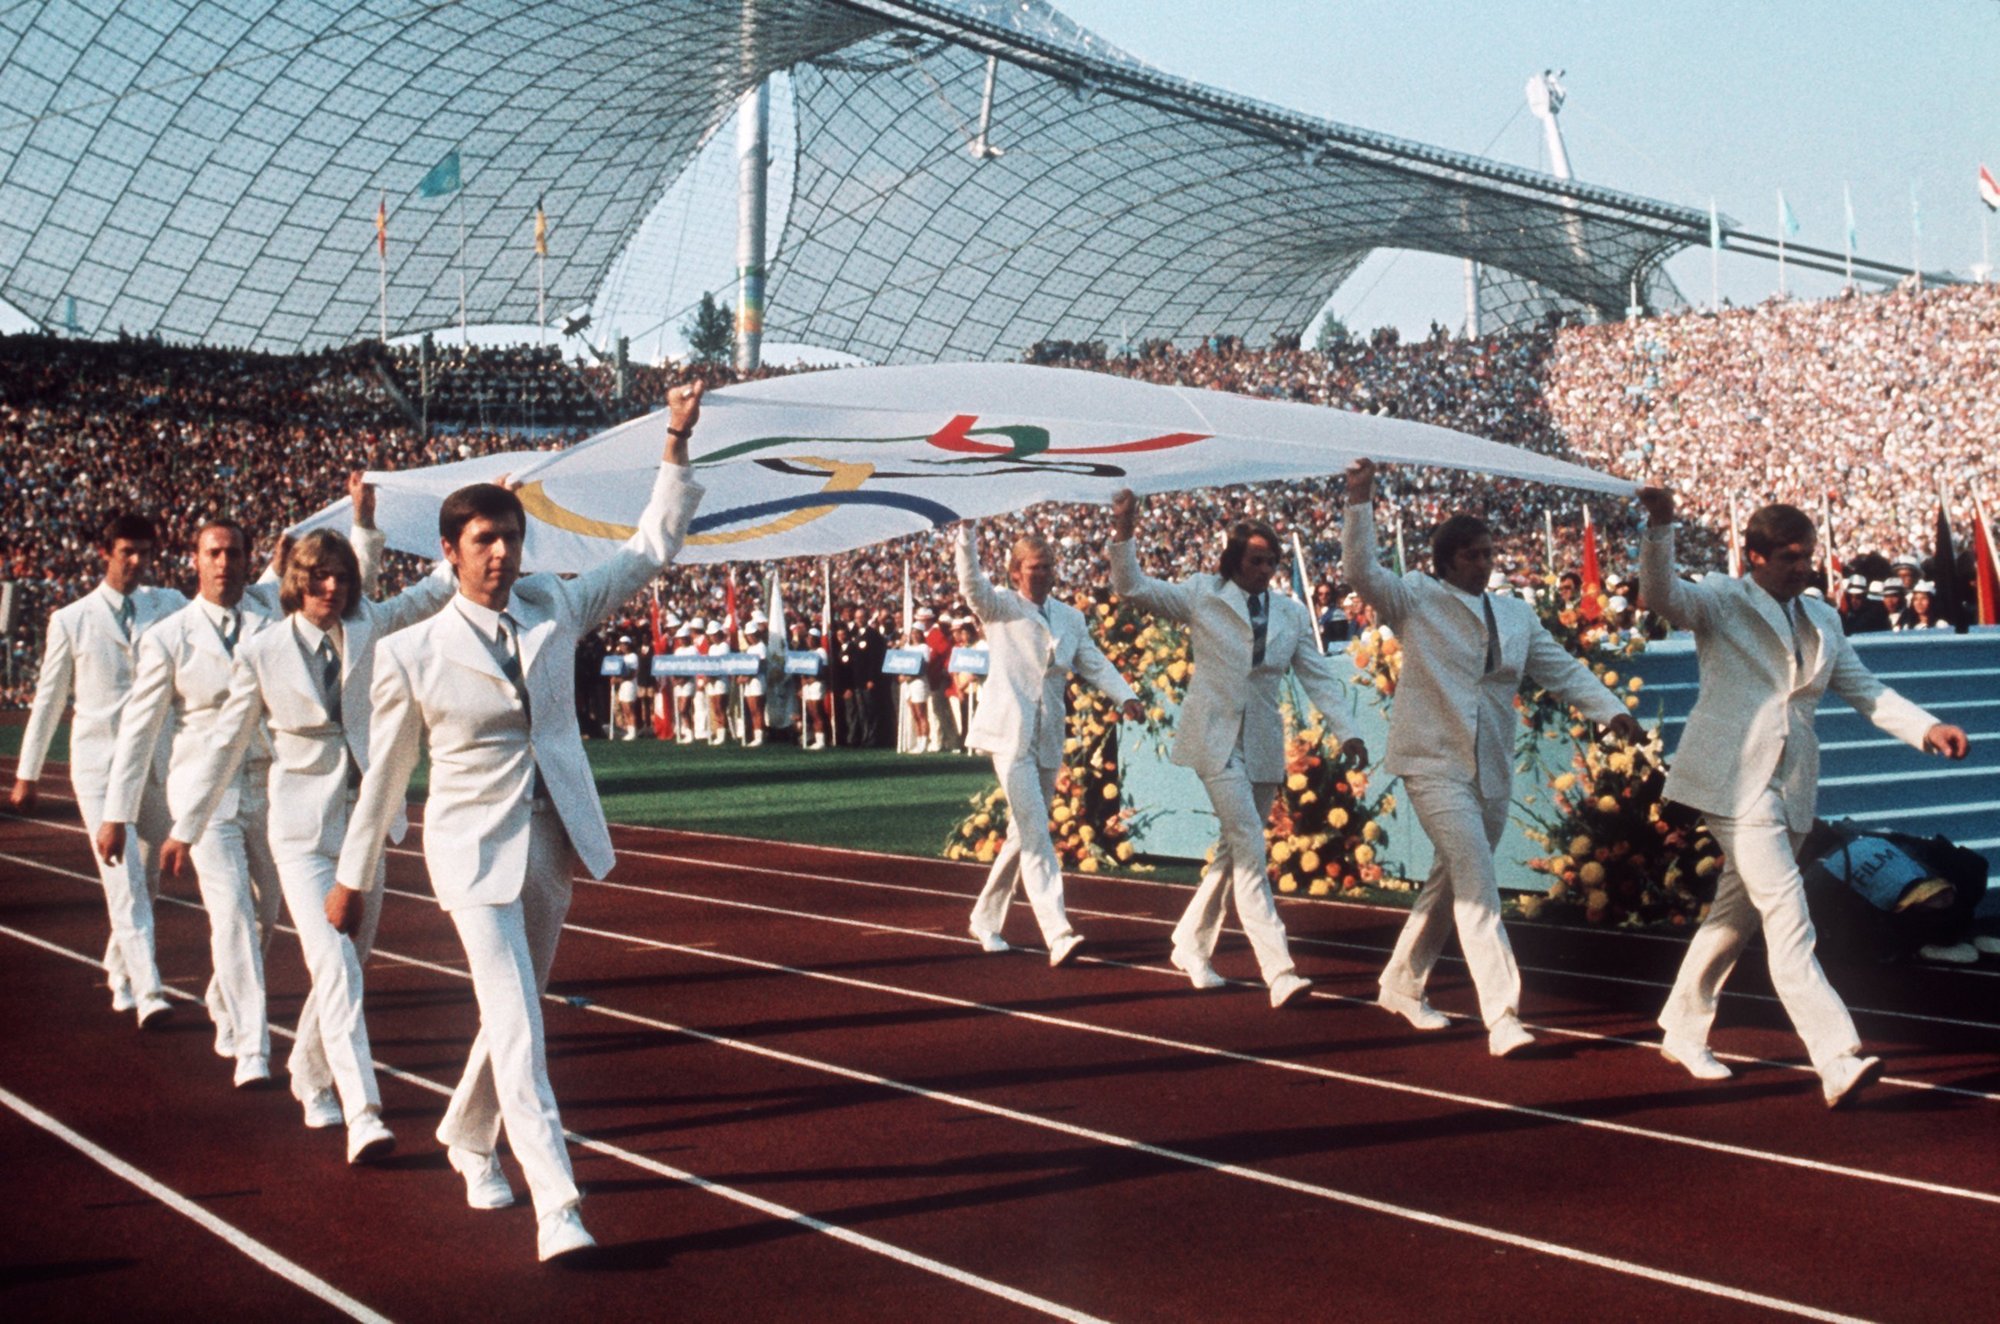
{"x": 180, "y": 686}
{"x": 487, "y": 683}
{"x": 90, "y": 653}
{"x": 305, "y": 684}
{"x": 1451, "y": 739}
{"x": 1748, "y": 760}
{"x": 1245, "y": 639}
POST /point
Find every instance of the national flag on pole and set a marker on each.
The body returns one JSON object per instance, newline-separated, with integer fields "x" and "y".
{"x": 541, "y": 230}
{"x": 1301, "y": 586}
{"x": 1835, "y": 577}
{"x": 1986, "y": 561}
{"x": 382, "y": 227}
{"x": 1549, "y": 539}
{"x": 1714, "y": 227}
{"x": 1735, "y": 543}
{"x": 443, "y": 177}
{"x": 1950, "y": 595}
{"x": 1593, "y": 578}
{"x": 1786, "y": 220}
{"x": 1989, "y": 192}
{"x": 729, "y": 603}
{"x": 909, "y": 604}
{"x": 826, "y": 602}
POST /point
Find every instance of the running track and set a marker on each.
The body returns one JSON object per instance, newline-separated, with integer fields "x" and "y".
{"x": 796, "y": 1087}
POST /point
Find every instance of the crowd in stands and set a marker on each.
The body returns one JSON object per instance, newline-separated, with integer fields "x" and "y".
{"x": 521, "y": 388}
{"x": 1868, "y": 402}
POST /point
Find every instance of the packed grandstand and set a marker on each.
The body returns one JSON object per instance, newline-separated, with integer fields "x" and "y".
{"x": 1870, "y": 402}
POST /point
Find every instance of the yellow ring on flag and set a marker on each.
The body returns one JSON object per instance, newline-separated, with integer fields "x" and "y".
{"x": 841, "y": 477}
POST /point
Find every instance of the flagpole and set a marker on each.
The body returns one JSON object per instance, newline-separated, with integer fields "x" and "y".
{"x": 464, "y": 335}
{"x": 1847, "y": 198}
{"x": 382, "y": 260}
{"x": 1549, "y": 539}
{"x": 1826, "y": 536}
{"x": 1781, "y": 243}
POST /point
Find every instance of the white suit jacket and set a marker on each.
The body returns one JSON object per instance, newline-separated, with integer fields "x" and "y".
{"x": 272, "y": 688}
{"x": 1451, "y": 718}
{"x": 181, "y": 685}
{"x": 1752, "y": 724}
{"x": 88, "y": 657}
{"x": 1228, "y": 701}
{"x": 439, "y": 679}
{"x": 1021, "y": 706}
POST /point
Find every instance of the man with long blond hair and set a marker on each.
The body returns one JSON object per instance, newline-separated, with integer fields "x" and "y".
{"x": 306, "y": 684}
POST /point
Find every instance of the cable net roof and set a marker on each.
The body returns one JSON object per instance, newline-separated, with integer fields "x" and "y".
{"x": 211, "y": 172}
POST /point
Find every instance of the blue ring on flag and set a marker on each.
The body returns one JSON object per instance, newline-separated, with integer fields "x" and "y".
{"x": 937, "y": 514}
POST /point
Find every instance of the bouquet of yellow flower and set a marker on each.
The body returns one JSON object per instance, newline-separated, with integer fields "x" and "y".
{"x": 1619, "y": 853}
{"x": 1324, "y": 835}
{"x": 1378, "y": 660}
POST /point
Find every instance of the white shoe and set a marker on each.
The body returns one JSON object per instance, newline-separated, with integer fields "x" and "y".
{"x": 1196, "y": 967}
{"x": 1507, "y": 1036}
{"x": 819, "y": 742}
{"x": 1063, "y": 950}
{"x": 368, "y": 1140}
{"x": 1956, "y": 953}
{"x": 1288, "y": 986}
{"x": 322, "y": 1110}
{"x": 154, "y": 1012}
{"x": 631, "y": 733}
{"x": 991, "y": 942}
{"x": 485, "y": 1185}
{"x": 561, "y": 1233}
{"x": 121, "y": 996}
{"x": 757, "y": 739}
{"x": 1419, "y": 1013}
{"x": 252, "y": 1071}
{"x": 1845, "y": 1075}
{"x": 1696, "y": 1057}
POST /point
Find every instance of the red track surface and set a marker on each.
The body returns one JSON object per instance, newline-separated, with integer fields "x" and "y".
{"x": 798, "y": 1088}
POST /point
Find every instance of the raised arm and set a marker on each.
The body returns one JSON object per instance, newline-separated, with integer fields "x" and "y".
{"x": 367, "y": 540}
{"x": 1388, "y": 595}
{"x": 1128, "y": 581}
{"x": 1682, "y": 605}
{"x": 662, "y": 527}
{"x": 52, "y": 691}
{"x": 973, "y": 585}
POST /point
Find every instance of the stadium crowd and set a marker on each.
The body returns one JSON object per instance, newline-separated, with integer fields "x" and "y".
{"x": 1870, "y": 402}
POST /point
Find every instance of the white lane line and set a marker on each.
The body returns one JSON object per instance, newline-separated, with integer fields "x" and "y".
{"x": 235, "y": 1237}
{"x": 1927, "y": 775}
{"x": 769, "y": 1208}
{"x": 1369, "y": 1204}
{"x": 1890, "y": 742}
{"x": 1297, "y": 940}
{"x": 1112, "y": 1140}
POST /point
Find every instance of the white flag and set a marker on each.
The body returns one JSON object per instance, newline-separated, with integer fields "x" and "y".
{"x": 825, "y": 462}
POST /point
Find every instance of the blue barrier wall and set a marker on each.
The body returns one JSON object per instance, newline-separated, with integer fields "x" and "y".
{"x": 1865, "y": 775}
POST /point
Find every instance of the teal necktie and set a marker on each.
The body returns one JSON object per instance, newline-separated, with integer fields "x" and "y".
{"x": 329, "y": 679}
{"x": 1260, "y": 626}
{"x": 126, "y": 615}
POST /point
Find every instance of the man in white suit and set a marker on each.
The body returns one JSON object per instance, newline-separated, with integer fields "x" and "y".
{"x": 306, "y": 684}
{"x": 489, "y": 682}
{"x": 1033, "y": 642}
{"x": 182, "y": 681}
{"x": 1230, "y": 731}
{"x": 91, "y": 653}
{"x": 1749, "y": 761}
{"x": 1451, "y": 740}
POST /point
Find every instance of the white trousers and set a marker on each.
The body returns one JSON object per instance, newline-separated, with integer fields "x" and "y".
{"x": 239, "y": 888}
{"x": 1760, "y": 886}
{"x": 129, "y": 885}
{"x": 1027, "y": 856}
{"x": 509, "y": 951}
{"x": 1464, "y": 830}
{"x": 1242, "y": 806}
{"x": 331, "y": 1050}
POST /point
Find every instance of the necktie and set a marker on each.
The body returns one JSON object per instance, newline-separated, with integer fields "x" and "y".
{"x": 232, "y": 626}
{"x": 1260, "y": 619}
{"x": 510, "y": 660}
{"x": 1492, "y": 635}
{"x": 125, "y": 618}
{"x": 329, "y": 679}
{"x": 1792, "y": 614}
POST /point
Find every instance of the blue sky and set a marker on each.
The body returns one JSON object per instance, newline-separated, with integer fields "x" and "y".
{"x": 1676, "y": 100}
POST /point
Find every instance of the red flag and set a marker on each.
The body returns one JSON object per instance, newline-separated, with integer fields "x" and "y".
{"x": 382, "y": 226}
{"x": 1989, "y": 192}
{"x": 661, "y": 645}
{"x": 729, "y": 639}
{"x": 1593, "y": 578}
{"x": 1983, "y": 559}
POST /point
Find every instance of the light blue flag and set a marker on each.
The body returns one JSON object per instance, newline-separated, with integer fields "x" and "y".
{"x": 1714, "y": 227}
{"x": 1847, "y": 201}
{"x": 1786, "y": 221}
{"x": 443, "y": 177}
